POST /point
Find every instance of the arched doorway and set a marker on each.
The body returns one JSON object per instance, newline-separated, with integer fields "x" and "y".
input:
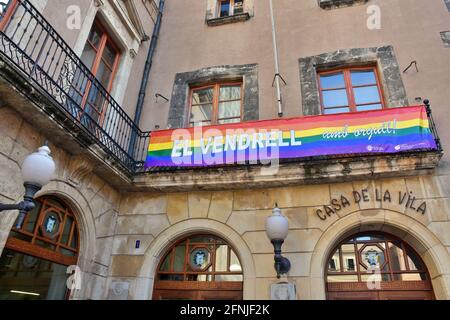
{"x": 376, "y": 266}
{"x": 199, "y": 267}
{"x": 33, "y": 264}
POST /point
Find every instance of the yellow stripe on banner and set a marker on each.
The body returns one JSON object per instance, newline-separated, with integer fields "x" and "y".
{"x": 313, "y": 132}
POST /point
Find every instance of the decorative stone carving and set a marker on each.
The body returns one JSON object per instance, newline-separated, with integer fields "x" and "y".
{"x": 79, "y": 167}
{"x": 99, "y": 3}
{"x": 119, "y": 290}
{"x": 445, "y": 35}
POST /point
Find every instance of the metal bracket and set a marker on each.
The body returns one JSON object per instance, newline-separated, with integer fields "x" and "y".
{"x": 275, "y": 77}
{"x": 410, "y": 65}
{"x": 157, "y": 95}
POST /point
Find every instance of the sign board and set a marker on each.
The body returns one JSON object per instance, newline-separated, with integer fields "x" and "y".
{"x": 372, "y": 132}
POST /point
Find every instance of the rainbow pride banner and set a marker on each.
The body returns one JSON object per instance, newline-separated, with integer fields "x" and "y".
{"x": 381, "y": 131}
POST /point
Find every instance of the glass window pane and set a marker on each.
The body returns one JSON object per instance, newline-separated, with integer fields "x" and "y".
{"x": 334, "y": 265}
{"x": 32, "y": 217}
{"x": 179, "y": 259}
{"x": 414, "y": 261}
{"x": 88, "y": 56}
{"x": 230, "y": 109}
{"x": 25, "y": 277}
{"x": 366, "y": 95}
{"x": 348, "y": 257}
{"x": 410, "y": 277}
{"x": 235, "y": 265}
{"x": 95, "y": 36}
{"x": 229, "y": 277}
{"x": 365, "y": 238}
{"x": 74, "y": 242}
{"x": 202, "y": 96}
{"x": 336, "y": 110}
{"x": 222, "y": 258}
{"x": 227, "y": 121}
{"x": 165, "y": 266}
{"x": 201, "y": 113}
{"x": 371, "y": 277}
{"x": 230, "y": 93}
{"x": 66, "y": 231}
{"x": 331, "y": 81}
{"x": 342, "y": 278}
{"x": 335, "y": 98}
{"x": 238, "y": 6}
{"x": 224, "y": 8}
{"x": 104, "y": 75}
{"x": 396, "y": 256}
{"x": 369, "y": 107}
{"x": 109, "y": 54}
{"x": 360, "y": 78}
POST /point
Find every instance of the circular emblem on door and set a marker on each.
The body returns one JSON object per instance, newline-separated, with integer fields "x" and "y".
{"x": 51, "y": 225}
{"x": 200, "y": 259}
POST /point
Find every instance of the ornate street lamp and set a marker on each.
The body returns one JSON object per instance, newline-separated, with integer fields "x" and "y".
{"x": 37, "y": 170}
{"x": 277, "y": 227}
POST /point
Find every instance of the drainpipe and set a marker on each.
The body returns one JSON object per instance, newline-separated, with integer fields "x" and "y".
{"x": 148, "y": 65}
{"x": 146, "y": 75}
{"x": 277, "y": 67}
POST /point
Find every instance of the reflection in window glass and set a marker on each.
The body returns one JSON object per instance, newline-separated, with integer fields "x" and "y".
{"x": 224, "y": 8}
{"x": 222, "y": 258}
{"x": 332, "y": 81}
{"x": 365, "y": 95}
{"x": 24, "y": 277}
{"x": 360, "y": 78}
{"x": 334, "y": 264}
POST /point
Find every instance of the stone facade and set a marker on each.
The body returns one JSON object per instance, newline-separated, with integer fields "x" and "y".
{"x": 116, "y": 211}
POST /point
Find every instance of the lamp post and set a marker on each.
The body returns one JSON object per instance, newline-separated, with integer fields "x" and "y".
{"x": 277, "y": 228}
{"x": 37, "y": 170}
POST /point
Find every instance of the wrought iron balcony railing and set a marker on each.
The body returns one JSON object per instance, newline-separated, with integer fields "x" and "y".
{"x": 28, "y": 42}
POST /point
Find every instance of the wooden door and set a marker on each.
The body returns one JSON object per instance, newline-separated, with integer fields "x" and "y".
{"x": 176, "y": 290}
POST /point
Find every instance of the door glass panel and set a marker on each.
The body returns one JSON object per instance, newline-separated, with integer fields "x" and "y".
{"x": 414, "y": 261}
{"x": 397, "y": 259}
{"x": 227, "y": 121}
{"x": 332, "y": 81}
{"x": 366, "y": 95}
{"x": 95, "y": 36}
{"x": 334, "y": 264}
{"x": 165, "y": 266}
{"x": 229, "y": 277}
{"x": 348, "y": 257}
{"x": 222, "y": 258}
{"x": 342, "y": 278}
{"x": 88, "y": 56}
{"x": 360, "y": 78}
{"x": 24, "y": 277}
{"x": 235, "y": 265}
{"x": 335, "y": 98}
{"x": 409, "y": 277}
{"x": 66, "y": 230}
{"x": 179, "y": 259}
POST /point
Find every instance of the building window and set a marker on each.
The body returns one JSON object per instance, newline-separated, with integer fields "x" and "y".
{"x": 101, "y": 56}
{"x": 230, "y": 7}
{"x": 350, "y": 90}
{"x": 34, "y": 263}
{"x": 219, "y": 103}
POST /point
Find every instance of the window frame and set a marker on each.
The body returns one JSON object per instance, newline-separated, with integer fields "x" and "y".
{"x": 8, "y": 14}
{"x": 215, "y": 101}
{"x": 231, "y": 11}
{"x": 349, "y": 87}
{"x": 104, "y": 40}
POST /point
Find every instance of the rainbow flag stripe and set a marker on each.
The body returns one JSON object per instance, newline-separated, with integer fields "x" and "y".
{"x": 382, "y": 131}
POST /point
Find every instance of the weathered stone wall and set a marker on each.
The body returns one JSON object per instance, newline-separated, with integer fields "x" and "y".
{"x": 94, "y": 202}
{"x": 157, "y": 220}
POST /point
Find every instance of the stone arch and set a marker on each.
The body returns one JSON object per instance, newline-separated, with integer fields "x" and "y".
{"x": 422, "y": 240}
{"x": 165, "y": 239}
{"x": 86, "y": 226}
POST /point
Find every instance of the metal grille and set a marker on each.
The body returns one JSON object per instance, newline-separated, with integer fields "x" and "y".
{"x": 31, "y": 44}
